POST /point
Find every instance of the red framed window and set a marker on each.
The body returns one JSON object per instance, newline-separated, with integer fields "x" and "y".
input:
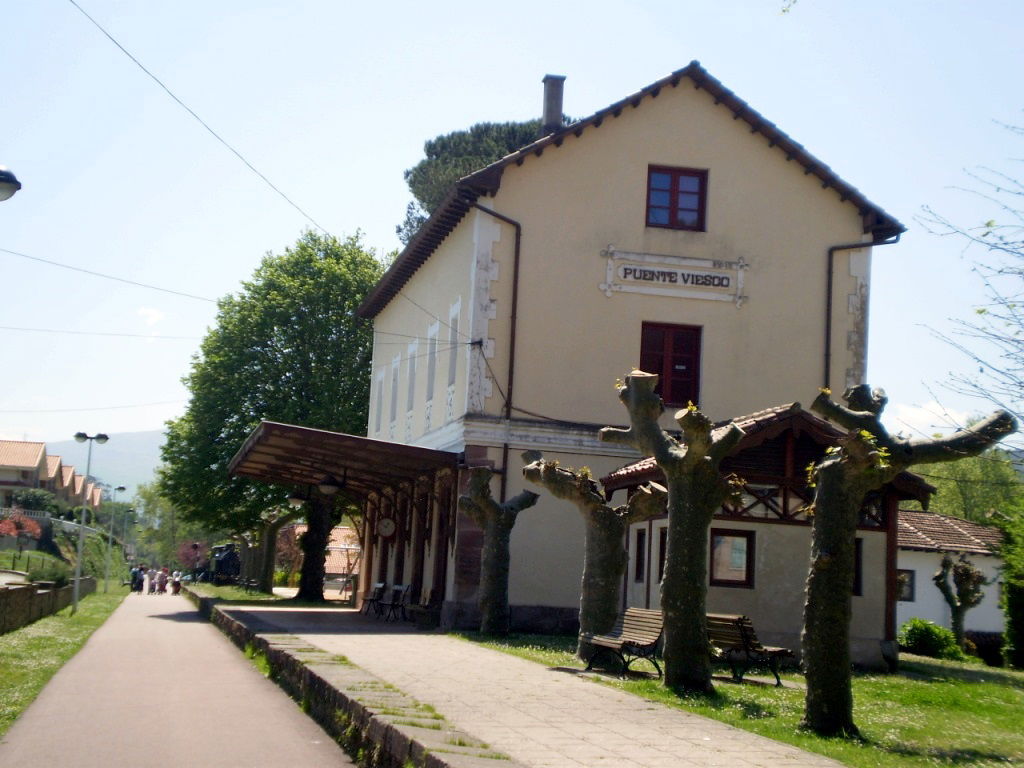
{"x": 732, "y": 558}
{"x": 676, "y": 197}
{"x": 672, "y": 352}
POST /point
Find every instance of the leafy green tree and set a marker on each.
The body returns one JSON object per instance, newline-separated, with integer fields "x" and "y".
{"x": 288, "y": 347}
{"x": 960, "y": 583}
{"x": 36, "y": 499}
{"x": 976, "y": 488}
{"x": 449, "y": 157}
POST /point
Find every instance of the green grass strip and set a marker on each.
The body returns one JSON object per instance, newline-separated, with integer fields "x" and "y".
{"x": 931, "y": 713}
{"x": 30, "y": 656}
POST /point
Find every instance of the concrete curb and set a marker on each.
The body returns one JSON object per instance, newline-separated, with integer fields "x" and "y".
{"x": 378, "y": 725}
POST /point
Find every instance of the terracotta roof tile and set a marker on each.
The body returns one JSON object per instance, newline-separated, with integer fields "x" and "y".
{"x": 67, "y": 475}
{"x": 16, "y": 453}
{"x": 941, "y": 533}
{"x": 53, "y": 466}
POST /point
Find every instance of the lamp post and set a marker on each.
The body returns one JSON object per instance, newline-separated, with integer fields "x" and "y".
{"x": 81, "y": 437}
{"x": 110, "y": 538}
{"x": 128, "y": 513}
{"x": 9, "y": 183}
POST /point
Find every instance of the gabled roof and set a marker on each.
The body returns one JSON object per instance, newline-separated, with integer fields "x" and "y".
{"x": 53, "y": 468}
{"x": 20, "y": 454}
{"x": 67, "y": 474}
{"x": 758, "y": 428}
{"x": 487, "y": 180}
{"x": 79, "y": 485}
{"x": 929, "y": 532}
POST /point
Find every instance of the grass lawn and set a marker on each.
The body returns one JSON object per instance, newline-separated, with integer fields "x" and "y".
{"x": 10, "y": 559}
{"x": 30, "y": 656}
{"x": 931, "y": 713}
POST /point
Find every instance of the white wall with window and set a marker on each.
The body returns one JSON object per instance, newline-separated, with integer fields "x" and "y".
{"x": 920, "y": 597}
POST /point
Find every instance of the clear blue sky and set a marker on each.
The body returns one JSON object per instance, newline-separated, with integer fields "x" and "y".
{"x": 333, "y": 100}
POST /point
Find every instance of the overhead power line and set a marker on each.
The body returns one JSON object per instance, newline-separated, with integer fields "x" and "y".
{"x": 200, "y": 120}
{"x": 83, "y": 410}
{"x": 105, "y": 276}
{"x": 97, "y": 333}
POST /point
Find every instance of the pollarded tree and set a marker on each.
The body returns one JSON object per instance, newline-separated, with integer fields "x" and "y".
{"x": 605, "y": 526}
{"x": 865, "y": 459}
{"x": 965, "y": 591}
{"x": 496, "y": 520}
{"x": 695, "y": 490}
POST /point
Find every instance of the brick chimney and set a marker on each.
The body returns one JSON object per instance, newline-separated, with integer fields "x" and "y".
{"x": 552, "y": 118}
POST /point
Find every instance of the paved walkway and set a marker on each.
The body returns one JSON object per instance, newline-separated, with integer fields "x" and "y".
{"x": 540, "y": 717}
{"x": 157, "y": 685}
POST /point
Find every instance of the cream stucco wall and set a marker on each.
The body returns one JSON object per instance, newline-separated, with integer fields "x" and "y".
{"x": 573, "y": 341}
{"x": 775, "y": 603}
{"x": 928, "y": 602}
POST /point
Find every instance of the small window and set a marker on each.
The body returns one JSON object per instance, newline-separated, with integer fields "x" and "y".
{"x": 431, "y": 362}
{"x": 676, "y": 198}
{"x": 858, "y": 568}
{"x": 394, "y": 388}
{"x": 410, "y": 400}
{"x": 732, "y": 558}
{"x": 905, "y": 585}
{"x": 672, "y": 352}
{"x": 640, "y": 552}
{"x": 453, "y": 346}
{"x": 662, "y": 551}
{"x": 379, "y": 405}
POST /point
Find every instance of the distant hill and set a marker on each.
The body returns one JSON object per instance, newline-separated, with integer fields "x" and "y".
{"x": 128, "y": 458}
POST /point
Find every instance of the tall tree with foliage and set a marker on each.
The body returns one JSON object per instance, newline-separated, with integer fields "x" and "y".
{"x": 449, "y": 157}
{"x": 864, "y": 460}
{"x": 960, "y": 583}
{"x": 288, "y": 347}
{"x": 977, "y": 488}
{"x": 696, "y": 489}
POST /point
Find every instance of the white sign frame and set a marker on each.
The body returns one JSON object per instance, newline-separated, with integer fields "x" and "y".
{"x": 615, "y": 284}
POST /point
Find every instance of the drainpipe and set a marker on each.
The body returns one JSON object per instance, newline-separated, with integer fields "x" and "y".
{"x": 511, "y": 337}
{"x": 828, "y": 295}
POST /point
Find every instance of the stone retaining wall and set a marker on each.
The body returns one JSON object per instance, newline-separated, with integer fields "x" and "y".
{"x": 21, "y": 604}
{"x": 374, "y": 722}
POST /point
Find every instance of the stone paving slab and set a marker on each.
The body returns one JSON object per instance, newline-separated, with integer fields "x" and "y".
{"x": 540, "y": 717}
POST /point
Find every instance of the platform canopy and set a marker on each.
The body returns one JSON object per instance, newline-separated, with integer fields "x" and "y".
{"x": 291, "y": 455}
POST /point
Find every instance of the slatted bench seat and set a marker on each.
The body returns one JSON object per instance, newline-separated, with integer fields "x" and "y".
{"x": 636, "y": 634}
{"x": 736, "y": 637}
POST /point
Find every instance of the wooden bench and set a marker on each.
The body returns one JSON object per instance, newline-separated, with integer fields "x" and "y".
{"x": 736, "y": 637}
{"x": 636, "y": 634}
{"x": 251, "y": 586}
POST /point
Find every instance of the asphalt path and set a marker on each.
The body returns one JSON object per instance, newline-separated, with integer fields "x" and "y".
{"x": 158, "y": 685}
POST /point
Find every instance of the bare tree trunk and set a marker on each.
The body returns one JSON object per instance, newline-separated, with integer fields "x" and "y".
{"x": 605, "y": 554}
{"x": 866, "y": 458}
{"x": 268, "y": 550}
{"x": 319, "y": 521}
{"x": 497, "y": 521}
{"x": 695, "y": 491}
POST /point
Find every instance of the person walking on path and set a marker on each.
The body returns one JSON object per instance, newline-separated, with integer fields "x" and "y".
{"x": 215, "y": 710}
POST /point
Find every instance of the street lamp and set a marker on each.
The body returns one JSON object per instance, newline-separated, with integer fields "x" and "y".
{"x": 110, "y": 538}
{"x": 9, "y": 183}
{"x": 81, "y": 437}
{"x": 128, "y": 513}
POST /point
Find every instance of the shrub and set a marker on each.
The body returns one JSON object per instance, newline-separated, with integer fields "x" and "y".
{"x": 1013, "y": 607}
{"x": 50, "y": 571}
{"x": 926, "y": 638}
{"x": 987, "y": 645}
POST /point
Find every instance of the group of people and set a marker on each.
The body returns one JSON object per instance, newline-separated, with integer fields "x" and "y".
{"x": 154, "y": 580}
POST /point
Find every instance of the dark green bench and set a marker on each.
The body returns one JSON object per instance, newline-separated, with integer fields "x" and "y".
{"x": 736, "y": 637}
{"x": 636, "y": 635}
